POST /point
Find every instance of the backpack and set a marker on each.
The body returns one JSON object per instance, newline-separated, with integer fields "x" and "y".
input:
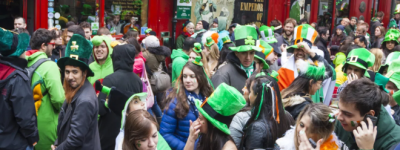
{"x": 160, "y": 80}
{"x": 38, "y": 91}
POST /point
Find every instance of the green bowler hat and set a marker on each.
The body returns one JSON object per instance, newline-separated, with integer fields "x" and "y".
{"x": 392, "y": 35}
{"x": 390, "y": 58}
{"x": 209, "y": 42}
{"x": 360, "y": 58}
{"x": 267, "y": 34}
{"x": 12, "y": 43}
{"x": 197, "y": 48}
{"x": 245, "y": 39}
{"x": 77, "y": 53}
{"x": 221, "y": 106}
{"x": 394, "y": 76}
{"x": 303, "y": 33}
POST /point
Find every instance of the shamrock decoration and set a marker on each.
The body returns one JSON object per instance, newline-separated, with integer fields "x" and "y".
{"x": 391, "y": 36}
{"x": 249, "y": 41}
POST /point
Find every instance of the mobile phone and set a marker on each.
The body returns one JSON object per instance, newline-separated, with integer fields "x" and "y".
{"x": 373, "y": 119}
{"x": 312, "y": 142}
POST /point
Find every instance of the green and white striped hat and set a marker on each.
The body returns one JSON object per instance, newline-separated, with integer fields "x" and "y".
{"x": 303, "y": 33}
{"x": 267, "y": 34}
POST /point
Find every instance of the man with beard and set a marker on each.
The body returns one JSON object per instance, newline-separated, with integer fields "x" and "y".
{"x": 115, "y": 25}
{"x": 396, "y": 16}
{"x": 102, "y": 50}
{"x": 49, "y": 93}
{"x": 287, "y": 34}
{"x": 301, "y": 49}
{"x": 77, "y": 122}
{"x": 351, "y": 28}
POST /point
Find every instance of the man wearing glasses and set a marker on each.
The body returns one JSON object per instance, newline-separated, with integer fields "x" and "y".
{"x": 48, "y": 91}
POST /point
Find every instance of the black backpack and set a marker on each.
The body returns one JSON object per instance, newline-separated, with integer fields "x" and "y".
{"x": 38, "y": 87}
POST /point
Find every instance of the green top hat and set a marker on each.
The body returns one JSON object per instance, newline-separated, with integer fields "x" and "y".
{"x": 86, "y": 10}
{"x": 311, "y": 71}
{"x": 197, "y": 61}
{"x": 267, "y": 34}
{"x": 221, "y": 106}
{"x": 392, "y": 35}
{"x": 394, "y": 76}
{"x": 209, "y": 42}
{"x": 148, "y": 30}
{"x": 13, "y": 44}
{"x": 397, "y": 10}
{"x": 197, "y": 47}
{"x": 77, "y": 53}
{"x": 226, "y": 39}
{"x": 360, "y": 58}
{"x": 303, "y": 33}
{"x": 390, "y": 58}
{"x": 245, "y": 39}
{"x": 392, "y": 24}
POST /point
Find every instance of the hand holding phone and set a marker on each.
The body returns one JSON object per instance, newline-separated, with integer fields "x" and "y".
{"x": 365, "y": 135}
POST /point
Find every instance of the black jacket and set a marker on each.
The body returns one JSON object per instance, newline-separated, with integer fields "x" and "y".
{"x": 77, "y": 122}
{"x": 57, "y": 53}
{"x": 18, "y": 127}
{"x": 123, "y": 79}
{"x": 230, "y": 73}
{"x": 322, "y": 46}
{"x": 296, "y": 104}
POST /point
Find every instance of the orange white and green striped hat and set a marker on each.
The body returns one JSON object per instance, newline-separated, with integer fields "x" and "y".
{"x": 303, "y": 33}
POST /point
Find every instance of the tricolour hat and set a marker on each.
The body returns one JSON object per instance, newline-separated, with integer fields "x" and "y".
{"x": 392, "y": 24}
{"x": 12, "y": 43}
{"x": 221, "y": 106}
{"x": 394, "y": 76}
{"x": 226, "y": 39}
{"x": 397, "y": 10}
{"x": 245, "y": 39}
{"x": 209, "y": 42}
{"x": 268, "y": 48}
{"x": 77, "y": 53}
{"x": 303, "y": 33}
{"x": 311, "y": 71}
{"x": 390, "y": 58}
{"x": 360, "y": 58}
{"x": 267, "y": 34}
{"x": 392, "y": 35}
{"x": 197, "y": 47}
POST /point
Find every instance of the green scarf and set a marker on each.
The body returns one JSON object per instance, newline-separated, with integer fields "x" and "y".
{"x": 249, "y": 70}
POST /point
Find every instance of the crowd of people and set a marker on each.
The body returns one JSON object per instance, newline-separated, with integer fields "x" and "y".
{"x": 242, "y": 87}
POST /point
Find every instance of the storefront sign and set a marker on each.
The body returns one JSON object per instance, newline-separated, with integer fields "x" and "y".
{"x": 183, "y": 12}
{"x": 124, "y": 4}
{"x": 251, "y": 12}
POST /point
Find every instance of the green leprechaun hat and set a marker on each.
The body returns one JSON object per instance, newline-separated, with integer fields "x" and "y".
{"x": 397, "y": 10}
{"x": 392, "y": 35}
{"x": 209, "y": 42}
{"x": 221, "y": 106}
{"x": 390, "y": 58}
{"x": 392, "y": 24}
{"x": 197, "y": 47}
{"x": 360, "y": 58}
{"x": 245, "y": 39}
{"x": 86, "y": 10}
{"x": 394, "y": 76}
{"x": 267, "y": 34}
{"x": 303, "y": 33}
{"x": 77, "y": 53}
{"x": 226, "y": 40}
{"x": 197, "y": 61}
{"x": 12, "y": 43}
{"x": 311, "y": 71}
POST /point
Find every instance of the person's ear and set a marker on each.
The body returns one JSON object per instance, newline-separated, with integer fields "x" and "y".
{"x": 43, "y": 46}
{"x": 371, "y": 112}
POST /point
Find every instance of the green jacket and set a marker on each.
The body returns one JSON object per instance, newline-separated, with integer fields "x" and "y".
{"x": 101, "y": 71}
{"x": 388, "y": 133}
{"x": 47, "y": 119}
{"x": 179, "y": 59}
{"x": 179, "y": 41}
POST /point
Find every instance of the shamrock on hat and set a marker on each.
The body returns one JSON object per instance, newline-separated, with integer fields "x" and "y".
{"x": 392, "y": 35}
{"x": 303, "y": 33}
{"x": 245, "y": 39}
{"x": 360, "y": 58}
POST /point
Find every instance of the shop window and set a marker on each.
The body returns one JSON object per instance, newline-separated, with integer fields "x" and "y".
{"x": 300, "y": 10}
{"x": 325, "y": 10}
{"x": 342, "y": 10}
{"x": 76, "y": 11}
{"x": 9, "y": 9}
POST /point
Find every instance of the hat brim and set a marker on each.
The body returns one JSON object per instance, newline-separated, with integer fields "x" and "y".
{"x": 290, "y": 49}
{"x": 66, "y": 60}
{"x": 221, "y": 126}
{"x": 276, "y": 49}
{"x": 389, "y": 40}
{"x": 245, "y": 48}
{"x": 366, "y": 74}
{"x": 266, "y": 66}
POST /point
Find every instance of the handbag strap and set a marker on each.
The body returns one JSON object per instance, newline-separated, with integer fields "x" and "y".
{"x": 143, "y": 70}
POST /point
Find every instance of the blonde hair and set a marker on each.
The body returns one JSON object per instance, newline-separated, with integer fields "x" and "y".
{"x": 320, "y": 121}
{"x": 378, "y": 59}
{"x": 214, "y": 55}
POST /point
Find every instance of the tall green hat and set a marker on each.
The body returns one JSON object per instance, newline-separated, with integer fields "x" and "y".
{"x": 86, "y": 10}
{"x": 209, "y": 41}
{"x": 392, "y": 35}
{"x": 394, "y": 76}
{"x": 197, "y": 48}
{"x": 12, "y": 43}
{"x": 360, "y": 58}
{"x": 310, "y": 71}
{"x": 267, "y": 34}
{"x": 390, "y": 58}
{"x": 221, "y": 106}
{"x": 392, "y": 24}
{"x": 77, "y": 53}
{"x": 245, "y": 39}
{"x": 397, "y": 10}
{"x": 303, "y": 33}
{"x": 226, "y": 39}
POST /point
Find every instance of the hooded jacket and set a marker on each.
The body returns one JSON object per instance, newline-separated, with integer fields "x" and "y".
{"x": 101, "y": 71}
{"x": 122, "y": 78}
{"x": 155, "y": 55}
{"x": 387, "y": 135}
{"x": 179, "y": 59}
{"x": 295, "y": 104}
{"x": 57, "y": 53}
{"x": 230, "y": 73}
{"x": 18, "y": 128}
{"x": 161, "y": 145}
{"x": 51, "y": 102}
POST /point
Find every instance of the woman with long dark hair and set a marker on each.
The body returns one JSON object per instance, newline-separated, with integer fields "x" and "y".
{"x": 180, "y": 108}
{"x": 379, "y": 36}
{"x": 215, "y": 114}
{"x": 268, "y": 120}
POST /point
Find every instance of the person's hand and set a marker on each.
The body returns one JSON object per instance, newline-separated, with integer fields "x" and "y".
{"x": 283, "y": 47}
{"x": 305, "y": 144}
{"x": 351, "y": 77}
{"x": 194, "y": 130}
{"x": 304, "y": 46}
{"x": 333, "y": 57}
{"x": 365, "y": 136}
{"x": 53, "y": 147}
